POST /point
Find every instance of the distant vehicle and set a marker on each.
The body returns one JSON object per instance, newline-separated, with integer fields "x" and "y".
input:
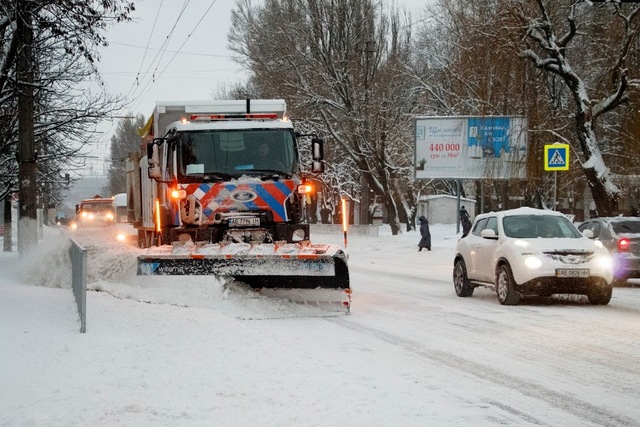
{"x": 95, "y": 212}
{"x": 61, "y": 221}
{"x": 120, "y": 208}
{"x": 621, "y": 236}
{"x": 528, "y": 251}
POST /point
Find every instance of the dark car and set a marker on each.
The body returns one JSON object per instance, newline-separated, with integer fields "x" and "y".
{"x": 621, "y": 236}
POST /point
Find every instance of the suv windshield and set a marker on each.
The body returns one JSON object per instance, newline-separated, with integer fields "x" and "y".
{"x": 236, "y": 152}
{"x": 533, "y": 226}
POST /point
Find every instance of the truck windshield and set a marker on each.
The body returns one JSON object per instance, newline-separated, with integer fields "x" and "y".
{"x": 237, "y": 152}
{"x": 96, "y": 206}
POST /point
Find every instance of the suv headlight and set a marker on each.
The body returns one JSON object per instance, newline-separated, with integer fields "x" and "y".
{"x": 604, "y": 261}
{"x": 532, "y": 262}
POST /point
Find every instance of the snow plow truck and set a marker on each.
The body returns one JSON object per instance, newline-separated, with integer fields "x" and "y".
{"x": 218, "y": 189}
{"x": 97, "y": 211}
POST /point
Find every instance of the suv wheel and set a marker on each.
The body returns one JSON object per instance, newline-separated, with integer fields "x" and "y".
{"x": 460, "y": 280}
{"x": 599, "y": 293}
{"x": 506, "y": 287}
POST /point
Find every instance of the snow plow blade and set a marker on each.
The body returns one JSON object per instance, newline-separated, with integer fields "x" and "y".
{"x": 300, "y": 272}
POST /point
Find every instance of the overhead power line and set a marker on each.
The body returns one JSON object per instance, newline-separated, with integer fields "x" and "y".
{"x": 159, "y": 54}
{"x": 151, "y": 81}
{"x": 146, "y": 49}
{"x": 172, "y": 51}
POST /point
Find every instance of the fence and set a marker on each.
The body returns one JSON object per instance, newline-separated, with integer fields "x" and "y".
{"x": 79, "y": 281}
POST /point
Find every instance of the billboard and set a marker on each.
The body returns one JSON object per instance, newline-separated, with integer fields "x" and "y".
{"x": 471, "y": 147}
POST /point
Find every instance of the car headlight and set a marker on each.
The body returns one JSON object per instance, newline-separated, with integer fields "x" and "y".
{"x": 532, "y": 262}
{"x": 109, "y": 216}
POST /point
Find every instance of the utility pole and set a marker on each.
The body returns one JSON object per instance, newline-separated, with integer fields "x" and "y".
{"x": 27, "y": 186}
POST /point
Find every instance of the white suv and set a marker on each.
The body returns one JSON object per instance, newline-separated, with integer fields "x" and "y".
{"x": 528, "y": 251}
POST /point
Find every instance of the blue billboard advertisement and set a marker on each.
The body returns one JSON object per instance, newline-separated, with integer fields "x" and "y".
{"x": 471, "y": 147}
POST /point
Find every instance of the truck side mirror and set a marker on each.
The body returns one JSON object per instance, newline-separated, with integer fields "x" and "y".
{"x": 317, "y": 167}
{"x": 317, "y": 149}
{"x": 317, "y": 152}
{"x": 153, "y": 158}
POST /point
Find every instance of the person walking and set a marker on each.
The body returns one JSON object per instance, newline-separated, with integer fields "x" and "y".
{"x": 425, "y": 240}
{"x": 465, "y": 219}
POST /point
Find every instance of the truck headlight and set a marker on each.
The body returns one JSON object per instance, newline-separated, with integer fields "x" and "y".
{"x": 298, "y": 235}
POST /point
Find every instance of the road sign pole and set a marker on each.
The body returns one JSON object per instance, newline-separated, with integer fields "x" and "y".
{"x": 555, "y": 190}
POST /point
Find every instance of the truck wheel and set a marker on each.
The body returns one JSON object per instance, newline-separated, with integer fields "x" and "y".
{"x": 460, "y": 280}
{"x": 600, "y": 293}
{"x": 506, "y": 287}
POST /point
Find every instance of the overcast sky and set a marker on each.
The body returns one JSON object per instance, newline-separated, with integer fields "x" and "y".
{"x": 172, "y": 50}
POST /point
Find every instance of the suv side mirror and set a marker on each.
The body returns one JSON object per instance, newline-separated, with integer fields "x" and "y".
{"x": 488, "y": 233}
{"x": 588, "y": 233}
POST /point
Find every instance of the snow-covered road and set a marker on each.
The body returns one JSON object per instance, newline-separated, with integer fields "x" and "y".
{"x": 184, "y": 351}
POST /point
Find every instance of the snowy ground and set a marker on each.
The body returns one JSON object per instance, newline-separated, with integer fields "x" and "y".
{"x": 183, "y": 351}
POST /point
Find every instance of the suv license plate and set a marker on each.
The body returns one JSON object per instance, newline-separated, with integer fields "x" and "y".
{"x": 244, "y": 222}
{"x": 572, "y": 272}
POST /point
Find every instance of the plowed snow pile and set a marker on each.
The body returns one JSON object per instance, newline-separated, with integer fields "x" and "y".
{"x": 111, "y": 268}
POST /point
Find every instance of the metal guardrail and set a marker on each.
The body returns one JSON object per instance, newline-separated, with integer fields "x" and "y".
{"x": 355, "y": 230}
{"x": 79, "y": 281}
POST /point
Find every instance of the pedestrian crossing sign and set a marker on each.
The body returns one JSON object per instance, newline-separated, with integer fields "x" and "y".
{"x": 556, "y": 157}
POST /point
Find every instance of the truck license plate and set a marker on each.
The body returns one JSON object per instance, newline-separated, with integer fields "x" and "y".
{"x": 244, "y": 222}
{"x": 572, "y": 272}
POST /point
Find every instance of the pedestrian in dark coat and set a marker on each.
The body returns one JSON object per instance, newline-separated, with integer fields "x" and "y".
{"x": 425, "y": 241}
{"x": 465, "y": 219}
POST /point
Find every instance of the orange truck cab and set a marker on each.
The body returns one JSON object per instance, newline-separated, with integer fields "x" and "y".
{"x": 95, "y": 212}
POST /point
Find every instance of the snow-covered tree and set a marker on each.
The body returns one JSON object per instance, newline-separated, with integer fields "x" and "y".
{"x": 47, "y": 51}
{"x": 338, "y": 63}
{"x": 125, "y": 141}
{"x": 598, "y": 82}
{"x": 569, "y": 66}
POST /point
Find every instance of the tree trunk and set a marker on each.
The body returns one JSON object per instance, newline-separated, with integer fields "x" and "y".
{"x": 605, "y": 193}
{"x": 27, "y": 186}
{"x": 8, "y": 232}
